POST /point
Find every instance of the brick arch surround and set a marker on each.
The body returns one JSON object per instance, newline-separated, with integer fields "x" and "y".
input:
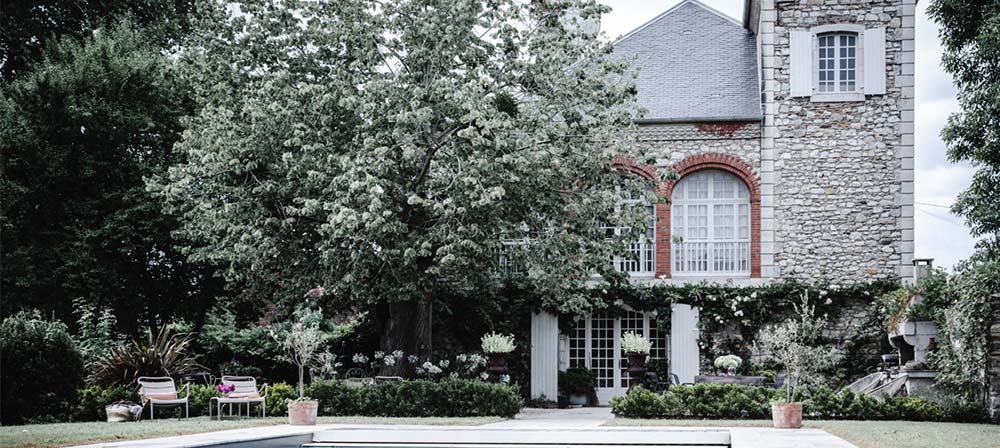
{"x": 709, "y": 161}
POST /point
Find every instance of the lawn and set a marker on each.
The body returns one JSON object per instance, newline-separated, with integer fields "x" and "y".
{"x": 62, "y": 434}
{"x": 869, "y": 434}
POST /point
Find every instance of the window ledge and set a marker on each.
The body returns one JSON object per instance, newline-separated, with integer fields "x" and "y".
{"x": 836, "y": 97}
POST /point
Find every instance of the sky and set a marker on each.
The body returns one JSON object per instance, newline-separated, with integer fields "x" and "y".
{"x": 939, "y": 234}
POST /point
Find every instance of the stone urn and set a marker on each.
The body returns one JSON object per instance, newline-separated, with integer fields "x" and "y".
{"x": 497, "y": 363}
{"x": 787, "y": 415}
{"x": 636, "y": 368}
{"x": 302, "y": 413}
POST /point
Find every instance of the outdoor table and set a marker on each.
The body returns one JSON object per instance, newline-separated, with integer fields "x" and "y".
{"x": 219, "y": 401}
{"x": 733, "y": 379}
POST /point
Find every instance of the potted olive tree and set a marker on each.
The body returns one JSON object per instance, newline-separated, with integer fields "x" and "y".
{"x": 636, "y": 348}
{"x": 497, "y": 347}
{"x": 791, "y": 344}
{"x": 578, "y": 384}
{"x": 301, "y": 345}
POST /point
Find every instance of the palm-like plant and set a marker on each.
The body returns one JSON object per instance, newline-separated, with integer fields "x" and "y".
{"x": 164, "y": 354}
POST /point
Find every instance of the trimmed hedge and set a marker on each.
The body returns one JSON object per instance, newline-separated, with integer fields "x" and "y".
{"x": 447, "y": 398}
{"x": 719, "y": 401}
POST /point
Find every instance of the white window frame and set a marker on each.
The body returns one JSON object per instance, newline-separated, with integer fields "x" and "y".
{"x": 857, "y": 94}
{"x": 645, "y": 247}
{"x": 679, "y": 228}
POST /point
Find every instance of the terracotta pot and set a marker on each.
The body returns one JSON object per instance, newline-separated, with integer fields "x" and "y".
{"x": 302, "y": 413}
{"x": 497, "y": 363}
{"x": 787, "y": 415}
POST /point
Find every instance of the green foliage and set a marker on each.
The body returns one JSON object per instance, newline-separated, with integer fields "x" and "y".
{"x": 970, "y": 36}
{"x": 200, "y": 398}
{"x": 718, "y": 401}
{"x": 278, "y": 395}
{"x": 447, "y": 398}
{"x": 42, "y": 369}
{"x": 747, "y": 308}
{"x": 28, "y": 29}
{"x": 794, "y": 344}
{"x": 368, "y": 158}
{"x": 164, "y": 354}
{"x": 78, "y": 133}
{"x": 964, "y": 328}
{"x": 93, "y": 399}
{"x": 577, "y": 381}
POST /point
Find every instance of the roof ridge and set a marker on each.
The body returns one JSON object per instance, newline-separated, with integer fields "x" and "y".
{"x": 673, "y": 9}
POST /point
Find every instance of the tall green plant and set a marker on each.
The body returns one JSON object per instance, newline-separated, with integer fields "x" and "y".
{"x": 793, "y": 345}
{"x": 162, "y": 354}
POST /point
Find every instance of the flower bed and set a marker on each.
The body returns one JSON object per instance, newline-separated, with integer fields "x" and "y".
{"x": 718, "y": 401}
{"x": 447, "y": 398}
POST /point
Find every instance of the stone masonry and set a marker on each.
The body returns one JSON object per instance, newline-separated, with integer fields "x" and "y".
{"x": 842, "y": 181}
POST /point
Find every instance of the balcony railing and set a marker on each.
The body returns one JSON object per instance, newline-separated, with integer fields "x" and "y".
{"x": 711, "y": 257}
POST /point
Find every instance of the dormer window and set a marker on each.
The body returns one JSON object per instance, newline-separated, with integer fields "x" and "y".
{"x": 837, "y": 62}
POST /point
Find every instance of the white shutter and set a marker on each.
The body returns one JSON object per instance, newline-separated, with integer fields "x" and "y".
{"x": 874, "y": 62}
{"x": 800, "y": 64}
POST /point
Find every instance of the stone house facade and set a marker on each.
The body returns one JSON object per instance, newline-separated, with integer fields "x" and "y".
{"x": 792, "y": 133}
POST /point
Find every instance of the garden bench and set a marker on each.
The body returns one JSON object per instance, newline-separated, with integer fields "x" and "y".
{"x": 245, "y": 392}
{"x": 161, "y": 391}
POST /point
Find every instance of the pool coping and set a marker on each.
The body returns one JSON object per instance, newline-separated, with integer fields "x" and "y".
{"x": 283, "y": 435}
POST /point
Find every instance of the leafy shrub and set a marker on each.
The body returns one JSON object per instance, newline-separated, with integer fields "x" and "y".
{"x": 93, "y": 399}
{"x": 448, "y": 398}
{"x": 42, "y": 369}
{"x": 200, "y": 398}
{"x": 577, "y": 381}
{"x": 717, "y": 401}
{"x": 278, "y": 395}
{"x": 165, "y": 354}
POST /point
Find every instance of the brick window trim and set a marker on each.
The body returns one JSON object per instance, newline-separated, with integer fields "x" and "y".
{"x": 705, "y": 161}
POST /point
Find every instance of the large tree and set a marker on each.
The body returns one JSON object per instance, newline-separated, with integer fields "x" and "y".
{"x": 392, "y": 151}
{"x": 26, "y": 27}
{"x": 970, "y": 35}
{"x": 78, "y": 133}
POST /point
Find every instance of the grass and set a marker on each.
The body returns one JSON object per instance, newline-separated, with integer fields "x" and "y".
{"x": 63, "y": 434}
{"x": 868, "y": 434}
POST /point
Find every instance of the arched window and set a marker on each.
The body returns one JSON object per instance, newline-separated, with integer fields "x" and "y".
{"x": 710, "y": 224}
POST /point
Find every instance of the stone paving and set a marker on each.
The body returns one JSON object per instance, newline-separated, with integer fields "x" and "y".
{"x": 532, "y": 427}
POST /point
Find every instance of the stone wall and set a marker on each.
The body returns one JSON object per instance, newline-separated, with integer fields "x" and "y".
{"x": 842, "y": 184}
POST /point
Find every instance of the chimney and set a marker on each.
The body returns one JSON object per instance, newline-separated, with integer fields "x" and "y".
{"x": 921, "y": 268}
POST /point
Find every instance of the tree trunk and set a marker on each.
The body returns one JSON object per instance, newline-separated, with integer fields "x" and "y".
{"x": 405, "y": 326}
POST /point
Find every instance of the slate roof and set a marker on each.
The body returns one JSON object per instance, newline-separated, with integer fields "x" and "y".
{"x": 695, "y": 64}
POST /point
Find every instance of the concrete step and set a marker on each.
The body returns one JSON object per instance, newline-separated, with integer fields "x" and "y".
{"x": 520, "y": 438}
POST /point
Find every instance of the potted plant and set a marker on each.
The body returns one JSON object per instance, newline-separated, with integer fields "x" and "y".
{"x": 791, "y": 345}
{"x": 301, "y": 345}
{"x": 636, "y": 348}
{"x": 497, "y": 347}
{"x": 727, "y": 364}
{"x": 578, "y": 384}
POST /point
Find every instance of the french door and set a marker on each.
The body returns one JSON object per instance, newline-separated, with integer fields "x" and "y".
{"x": 596, "y": 345}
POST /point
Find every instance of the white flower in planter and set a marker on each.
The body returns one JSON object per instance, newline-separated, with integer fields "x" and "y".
{"x": 484, "y": 376}
{"x": 633, "y": 342}
{"x": 498, "y": 343}
{"x": 505, "y": 379}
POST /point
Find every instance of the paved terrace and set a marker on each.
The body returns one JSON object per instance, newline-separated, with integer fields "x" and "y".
{"x": 534, "y": 428}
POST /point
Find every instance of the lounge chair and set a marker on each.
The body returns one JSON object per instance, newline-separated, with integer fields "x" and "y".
{"x": 161, "y": 391}
{"x": 245, "y": 391}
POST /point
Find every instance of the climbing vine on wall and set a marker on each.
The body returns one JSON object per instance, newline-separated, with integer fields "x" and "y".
{"x": 742, "y": 311}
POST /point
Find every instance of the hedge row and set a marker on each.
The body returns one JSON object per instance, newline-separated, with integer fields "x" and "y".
{"x": 717, "y": 401}
{"x": 447, "y": 398}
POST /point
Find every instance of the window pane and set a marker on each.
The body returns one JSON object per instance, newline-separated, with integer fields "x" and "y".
{"x": 715, "y": 226}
